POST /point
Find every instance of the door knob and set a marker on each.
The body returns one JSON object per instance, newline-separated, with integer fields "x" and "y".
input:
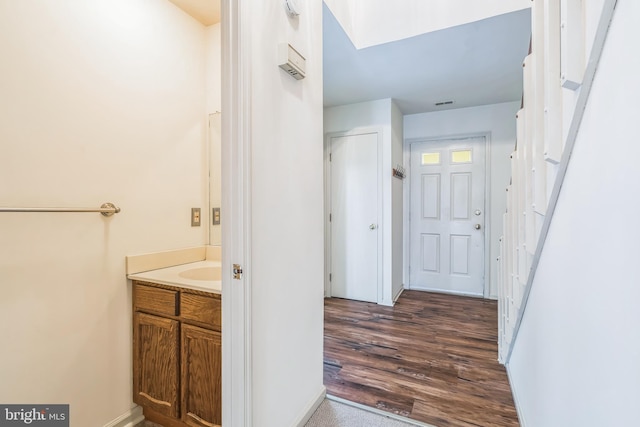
{"x": 477, "y": 226}
{"x": 478, "y": 212}
{"x": 372, "y": 227}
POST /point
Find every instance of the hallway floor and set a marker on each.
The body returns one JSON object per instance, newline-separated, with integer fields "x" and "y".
{"x": 431, "y": 358}
{"x": 336, "y": 414}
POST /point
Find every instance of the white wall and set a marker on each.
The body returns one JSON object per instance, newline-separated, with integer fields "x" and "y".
{"x": 101, "y": 101}
{"x": 213, "y": 58}
{"x": 575, "y": 360}
{"x": 366, "y": 22}
{"x": 287, "y": 241}
{"x": 213, "y": 73}
{"x": 345, "y": 12}
{"x": 499, "y": 121}
{"x": 379, "y": 115}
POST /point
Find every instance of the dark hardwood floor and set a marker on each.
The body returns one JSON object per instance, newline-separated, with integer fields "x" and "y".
{"x": 431, "y": 358}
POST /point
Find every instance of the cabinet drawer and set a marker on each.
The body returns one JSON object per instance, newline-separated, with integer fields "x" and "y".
{"x": 201, "y": 309}
{"x": 156, "y": 300}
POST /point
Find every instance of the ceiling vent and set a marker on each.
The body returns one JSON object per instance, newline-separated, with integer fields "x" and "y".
{"x": 441, "y": 103}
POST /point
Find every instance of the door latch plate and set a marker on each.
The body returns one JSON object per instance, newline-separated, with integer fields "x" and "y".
{"x": 237, "y": 271}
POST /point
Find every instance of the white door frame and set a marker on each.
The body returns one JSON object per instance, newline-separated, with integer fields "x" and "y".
{"x": 327, "y": 204}
{"x": 487, "y": 203}
{"x": 236, "y": 198}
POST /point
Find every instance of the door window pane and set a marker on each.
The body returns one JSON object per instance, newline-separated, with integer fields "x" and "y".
{"x": 461, "y": 156}
{"x": 430, "y": 158}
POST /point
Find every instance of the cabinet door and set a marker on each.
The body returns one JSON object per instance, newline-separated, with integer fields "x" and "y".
{"x": 155, "y": 363}
{"x": 201, "y": 377}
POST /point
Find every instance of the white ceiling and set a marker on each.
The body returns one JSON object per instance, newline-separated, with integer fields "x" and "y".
{"x": 472, "y": 64}
{"x": 372, "y": 22}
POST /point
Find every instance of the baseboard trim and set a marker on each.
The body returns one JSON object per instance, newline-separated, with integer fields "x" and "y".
{"x": 378, "y": 411}
{"x": 514, "y": 394}
{"x": 446, "y": 292}
{"x": 131, "y": 418}
{"x": 395, "y": 299}
{"x": 311, "y": 408}
{"x": 392, "y": 301}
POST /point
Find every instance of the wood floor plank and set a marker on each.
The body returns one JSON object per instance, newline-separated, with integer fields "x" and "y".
{"x": 431, "y": 357}
{"x": 397, "y": 404}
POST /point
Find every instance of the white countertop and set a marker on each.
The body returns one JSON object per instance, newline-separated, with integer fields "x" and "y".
{"x": 171, "y": 276}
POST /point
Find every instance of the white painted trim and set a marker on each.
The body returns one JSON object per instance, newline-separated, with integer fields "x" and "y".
{"x": 378, "y": 411}
{"x": 327, "y": 179}
{"x": 516, "y": 401}
{"x": 406, "y": 210}
{"x": 487, "y": 216}
{"x": 310, "y": 409}
{"x": 327, "y": 212}
{"x": 395, "y": 298}
{"x": 487, "y": 207}
{"x": 445, "y": 292}
{"x": 236, "y": 198}
{"x": 208, "y": 215}
{"x": 131, "y": 418}
{"x": 571, "y": 44}
{"x": 382, "y": 226}
{"x": 596, "y": 52}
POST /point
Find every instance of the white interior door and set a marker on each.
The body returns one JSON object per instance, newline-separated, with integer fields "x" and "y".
{"x": 354, "y": 217}
{"x": 447, "y": 192}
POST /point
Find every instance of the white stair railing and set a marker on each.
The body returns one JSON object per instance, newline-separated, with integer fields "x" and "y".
{"x": 555, "y": 89}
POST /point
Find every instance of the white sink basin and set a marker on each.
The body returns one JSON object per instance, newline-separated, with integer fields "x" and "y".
{"x": 202, "y": 273}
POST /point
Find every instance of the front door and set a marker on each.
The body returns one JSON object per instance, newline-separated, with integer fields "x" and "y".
{"x": 447, "y": 192}
{"x": 354, "y": 216}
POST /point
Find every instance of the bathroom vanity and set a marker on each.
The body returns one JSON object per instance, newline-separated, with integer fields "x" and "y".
{"x": 177, "y": 358}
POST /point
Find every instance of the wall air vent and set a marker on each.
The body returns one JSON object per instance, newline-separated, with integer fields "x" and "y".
{"x": 441, "y": 103}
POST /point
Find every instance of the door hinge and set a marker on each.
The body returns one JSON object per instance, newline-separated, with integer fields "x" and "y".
{"x": 329, "y": 276}
{"x": 329, "y": 217}
{"x": 237, "y": 271}
{"x": 329, "y": 156}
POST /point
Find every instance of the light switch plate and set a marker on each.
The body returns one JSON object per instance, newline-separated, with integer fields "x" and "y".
{"x": 215, "y": 215}
{"x": 195, "y": 217}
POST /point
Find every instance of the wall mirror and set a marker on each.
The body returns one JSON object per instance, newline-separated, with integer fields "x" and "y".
{"x": 215, "y": 181}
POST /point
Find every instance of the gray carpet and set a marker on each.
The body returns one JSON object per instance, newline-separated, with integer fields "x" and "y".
{"x": 334, "y": 414}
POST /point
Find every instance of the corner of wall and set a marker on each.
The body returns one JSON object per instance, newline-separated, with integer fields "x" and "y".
{"x": 311, "y": 408}
{"x": 131, "y": 418}
{"x": 516, "y": 401}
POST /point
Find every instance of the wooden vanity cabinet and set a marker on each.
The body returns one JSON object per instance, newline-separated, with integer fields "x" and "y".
{"x": 155, "y": 364}
{"x": 201, "y": 367}
{"x": 177, "y": 357}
